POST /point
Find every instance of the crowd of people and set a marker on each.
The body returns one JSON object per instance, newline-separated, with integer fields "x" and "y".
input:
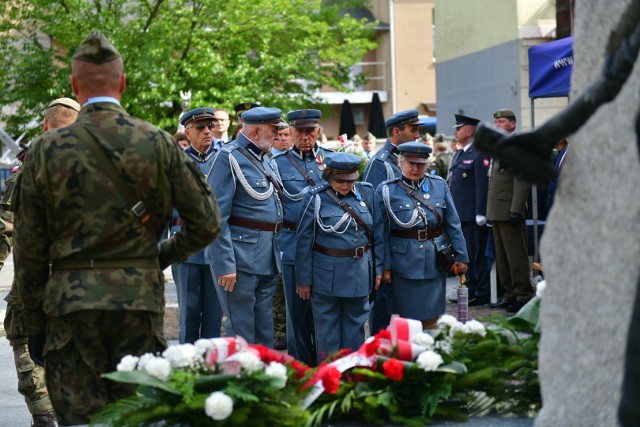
{"x": 267, "y": 227}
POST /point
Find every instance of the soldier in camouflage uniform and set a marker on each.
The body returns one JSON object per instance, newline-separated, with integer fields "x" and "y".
{"x": 104, "y": 296}
{"x": 439, "y": 162}
{"x": 31, "y": 384}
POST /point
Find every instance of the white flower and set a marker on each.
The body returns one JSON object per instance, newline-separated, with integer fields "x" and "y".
{"x": 144, "y": 359}
{"x": 203, "y": 345}
{"x": 158, "y": 367}
{"x": 128, "y": 363}
{"x": 277, "y": 371}
{"x": 540, "y": 287}
{"x": 475, "y": 327}
{"x": 423, "y": 339}
{"x": 249, "y": 361}
{"x": 449, "y": 320}
{"x": 429, "y": 360}
{"x": 218, "y": 406}
{"x": 444, "y": 346}
{"x": 181, "y": 355}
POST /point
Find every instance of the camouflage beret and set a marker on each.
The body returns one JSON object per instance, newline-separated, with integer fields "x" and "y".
{"x": 96, "y": 49}
{"x": 504, "y": 113}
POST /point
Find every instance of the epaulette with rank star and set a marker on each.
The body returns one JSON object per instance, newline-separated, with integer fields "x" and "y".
{"x": 227, "y": 148}
{"x": 319, "y": 187}
{"x": 383, "y": 155}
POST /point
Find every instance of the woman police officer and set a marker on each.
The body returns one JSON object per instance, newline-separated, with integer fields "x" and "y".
{"x": 334, "y": 263}
{"x": 415, "y": 216}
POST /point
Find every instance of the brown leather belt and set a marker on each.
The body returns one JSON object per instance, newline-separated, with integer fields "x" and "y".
{"x": 420, "y": 235}
{"x": 256, "y": 225}
{"x": 355, "y": 252}
{"x": 289, "y": 225}
{"x": 90, "y": 264}
{"x": 176, "y": 222}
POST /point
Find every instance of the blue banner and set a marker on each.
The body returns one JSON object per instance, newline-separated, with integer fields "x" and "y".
{"x": 550, "y": 67}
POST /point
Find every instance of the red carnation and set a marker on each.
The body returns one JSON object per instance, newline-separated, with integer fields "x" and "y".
{"x": 393, "y": 369}
{"x": 383, "y": 334}
{"x": 371, "y": 347}
{"x": 300, "y": 369}
{"x": 331, "y": 379}
{"x": 268, "y": 355}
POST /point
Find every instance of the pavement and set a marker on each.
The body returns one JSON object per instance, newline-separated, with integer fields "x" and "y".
{"x": 14, "y": 413}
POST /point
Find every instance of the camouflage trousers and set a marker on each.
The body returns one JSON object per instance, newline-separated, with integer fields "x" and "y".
{"x": 81, "y": 346}
{"x": 279, "y": 313}
{"x": 31, "y": 383}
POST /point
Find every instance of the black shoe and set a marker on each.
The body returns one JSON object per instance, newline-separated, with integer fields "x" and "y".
{"x": 46, "y": 420}
{"x": 502, "y": 303}
{"x": 453, "y": 300}
{"x": 516, "y": 306}
{"x": 475, "y": 302}
{"x": 279, "y": 344}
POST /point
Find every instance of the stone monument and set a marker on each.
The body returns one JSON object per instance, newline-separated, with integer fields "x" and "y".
{"x": 591, "y": 244}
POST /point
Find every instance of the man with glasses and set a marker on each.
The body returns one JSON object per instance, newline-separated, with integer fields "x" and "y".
{"x": 221, "y": 126}
{"x": 245, "y": 260}
{"x": 200, "y": 310}
{"x": 299, "y": 168}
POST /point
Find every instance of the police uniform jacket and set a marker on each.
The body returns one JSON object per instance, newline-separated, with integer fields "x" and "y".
{"x": 382, "y": 166}
{"x": 203, "y": 162}
{"x": 506, "y": 194}
{"x": 339, "y": 276}
{"x": 396, "y": 210}
{"x": 468, "y": 182}
{"x": 295, "y": 187}
{"x": 67, "y": 209}
{"x": 246, "y": 193}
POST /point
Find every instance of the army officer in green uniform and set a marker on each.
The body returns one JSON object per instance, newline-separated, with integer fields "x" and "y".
{"x": 92, "y": 201}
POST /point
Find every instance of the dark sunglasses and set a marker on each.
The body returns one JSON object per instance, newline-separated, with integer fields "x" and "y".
{"x": 344, "y": 181}
{"x": 201, "y": 126}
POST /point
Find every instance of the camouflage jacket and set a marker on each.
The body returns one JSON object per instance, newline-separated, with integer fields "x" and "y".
{"x": 6, "y": 230}
{"x": 6, "y": 219}
{"x": 67, "y": 208}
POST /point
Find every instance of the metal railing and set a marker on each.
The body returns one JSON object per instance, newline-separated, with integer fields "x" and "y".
{"x": 376, "y": 73}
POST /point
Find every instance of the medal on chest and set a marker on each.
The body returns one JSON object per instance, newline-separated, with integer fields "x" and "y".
{"x": 425, "y": 188}
{"x": 321, "y": 164}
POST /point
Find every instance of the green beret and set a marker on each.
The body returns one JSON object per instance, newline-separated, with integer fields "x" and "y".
{"x": 96, "y": 49}
{"x": 504, "y": 113}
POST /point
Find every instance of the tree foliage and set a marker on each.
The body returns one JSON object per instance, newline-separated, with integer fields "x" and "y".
{"x": 279, "y": 52}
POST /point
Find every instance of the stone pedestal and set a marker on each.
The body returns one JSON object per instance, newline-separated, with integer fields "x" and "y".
{"x": 591, "y": 245}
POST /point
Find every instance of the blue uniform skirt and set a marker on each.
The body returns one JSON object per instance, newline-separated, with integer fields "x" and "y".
{"x": 418, "y": 299}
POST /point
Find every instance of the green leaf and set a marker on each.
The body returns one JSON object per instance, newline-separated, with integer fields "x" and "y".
{"x": 530, "y": 313}
{"x": 210, "y": 383}
{"x": 142, "y": 378}
{"x": 454, "y": 367}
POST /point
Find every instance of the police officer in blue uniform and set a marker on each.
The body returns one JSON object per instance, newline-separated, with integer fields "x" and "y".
{"x": 299, "y": 169}
{"x": 402, "y": 127}
{"x": 415, "y": 227}
{"x": 469, "y": 184}
{"x": 200, "y": 310}
{"x": 334, "y": 263}
{"x": 245, "y": 260}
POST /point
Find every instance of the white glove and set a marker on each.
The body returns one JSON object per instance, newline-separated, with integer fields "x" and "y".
{"x": 481, "y": 220}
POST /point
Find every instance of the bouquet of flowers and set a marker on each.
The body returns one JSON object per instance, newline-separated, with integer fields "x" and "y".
{"x": 406, "y": 376}
{"x": 221, "y": 379}
{"x": 402, "y": 375}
